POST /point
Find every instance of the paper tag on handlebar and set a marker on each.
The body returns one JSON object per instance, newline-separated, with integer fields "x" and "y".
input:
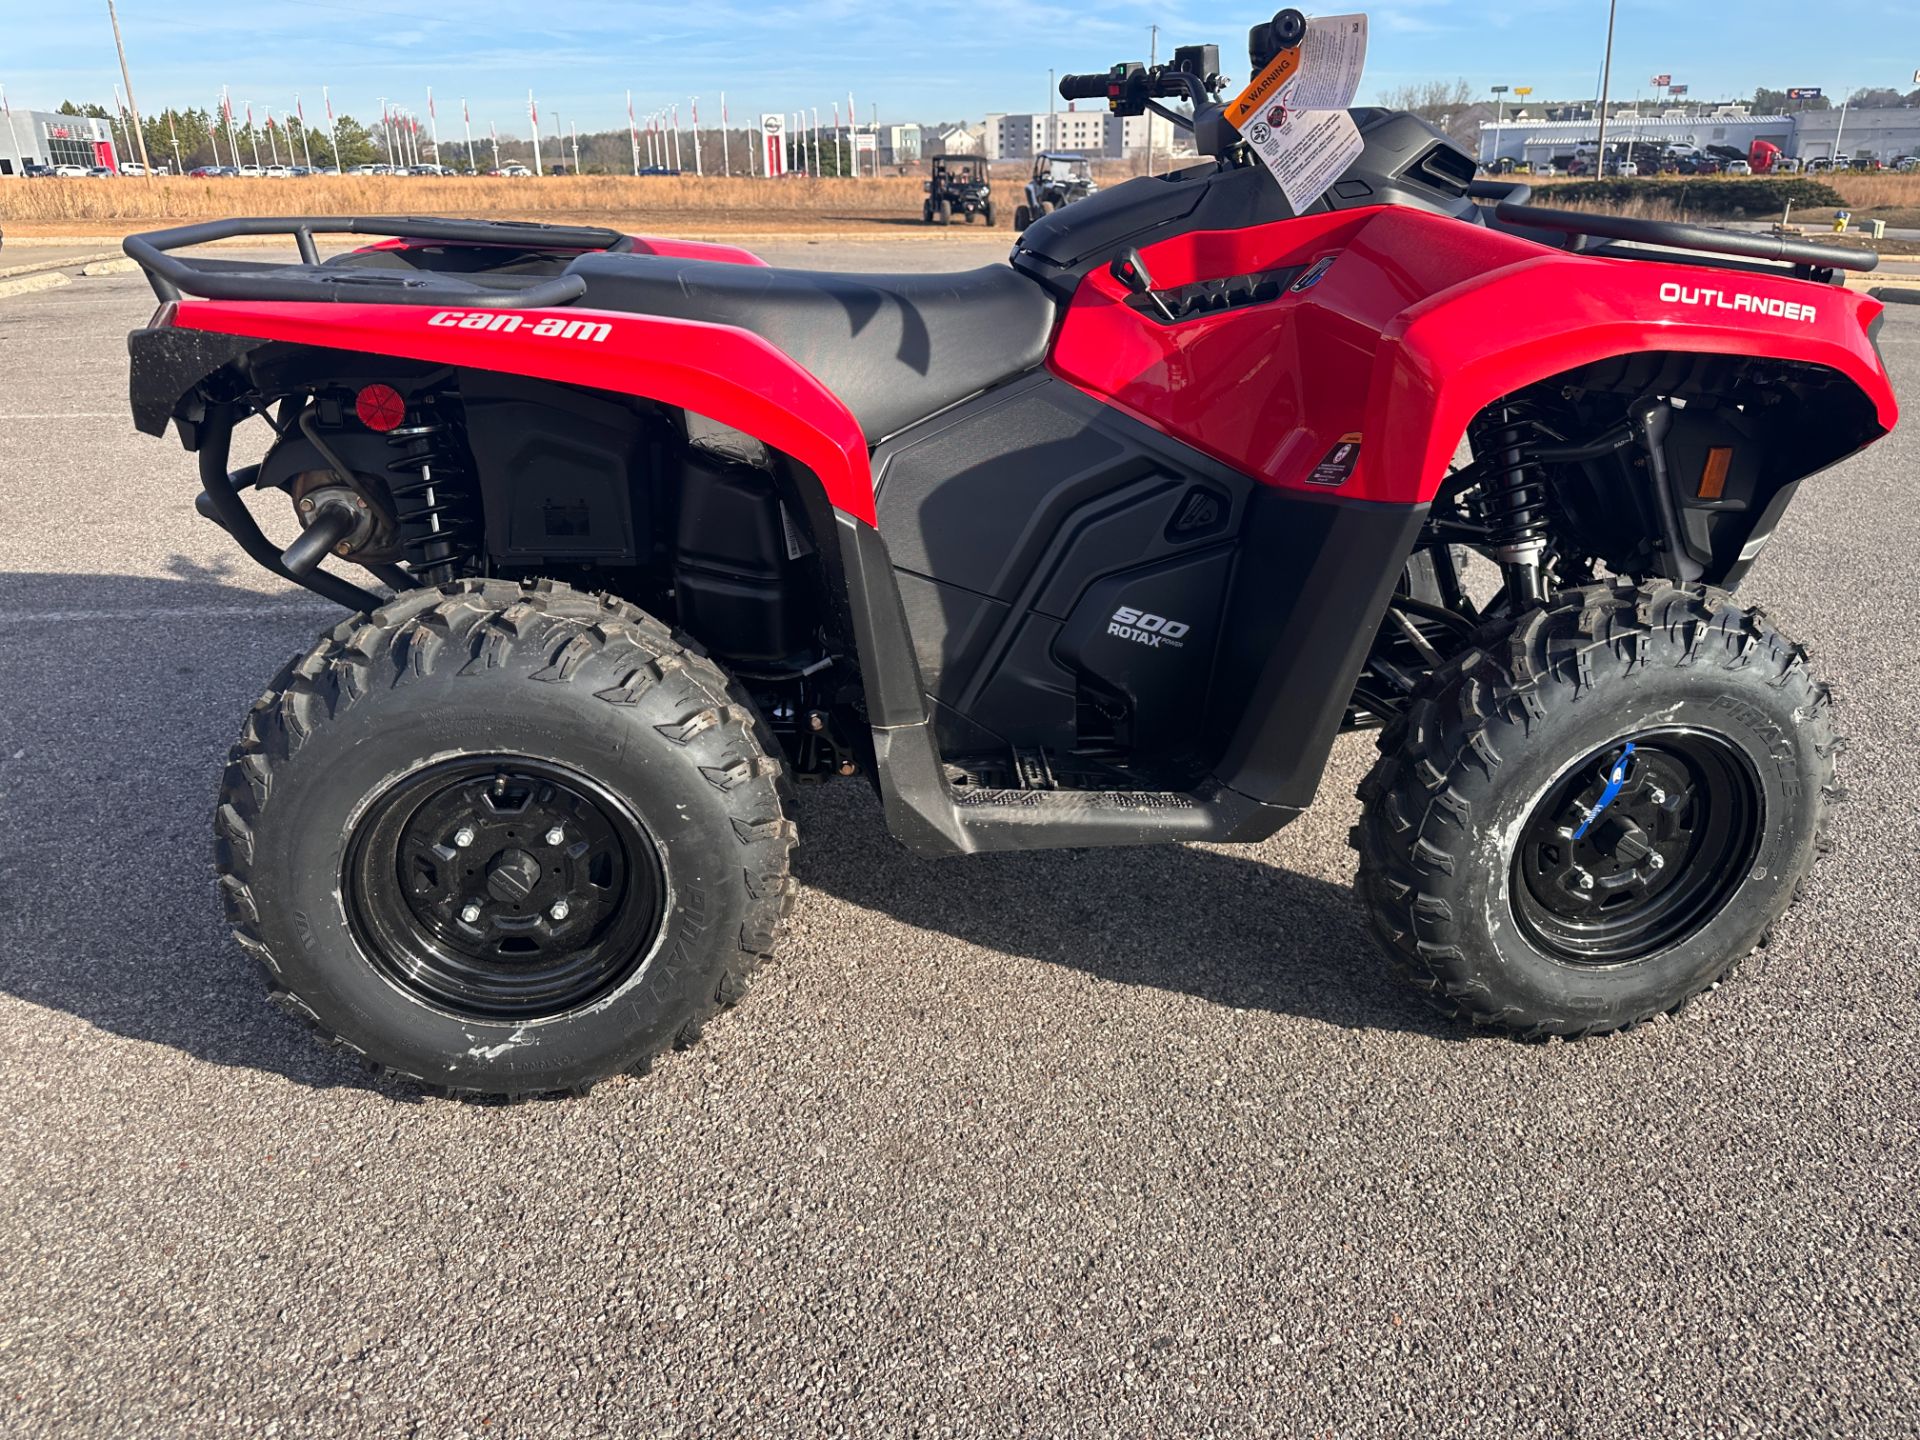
{"x": 1294, "y": 113}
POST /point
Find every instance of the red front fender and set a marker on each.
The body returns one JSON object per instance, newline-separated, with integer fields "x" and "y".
{"x": 1449, "y": 356}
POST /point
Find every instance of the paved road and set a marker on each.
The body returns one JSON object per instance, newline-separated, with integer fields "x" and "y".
{"x": 1078, "y": 1144}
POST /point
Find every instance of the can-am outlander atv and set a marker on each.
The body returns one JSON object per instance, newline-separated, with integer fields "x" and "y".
{"x": 1101, "y": 547}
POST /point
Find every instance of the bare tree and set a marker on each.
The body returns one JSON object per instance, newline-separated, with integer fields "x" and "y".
{"x": 1431, "y": 100}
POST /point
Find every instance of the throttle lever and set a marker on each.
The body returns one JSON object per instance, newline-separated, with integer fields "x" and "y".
{"x": 1131, "y": 271}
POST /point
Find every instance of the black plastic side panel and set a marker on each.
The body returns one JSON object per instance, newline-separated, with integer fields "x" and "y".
{"x": 559, "y": 470}
{"x": 1303, "y": 614}
{"x": 1022, "y": 524}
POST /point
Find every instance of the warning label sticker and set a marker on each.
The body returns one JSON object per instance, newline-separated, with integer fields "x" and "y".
{"x": 1338, "y": 466}
{"x": 1294, "y": 113}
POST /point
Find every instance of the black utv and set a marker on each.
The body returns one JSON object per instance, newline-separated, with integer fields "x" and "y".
{"x": 957, "y": 186}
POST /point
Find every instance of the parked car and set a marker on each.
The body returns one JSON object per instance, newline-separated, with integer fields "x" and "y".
{"x": 70, "y": 172}
{"x": 1739, "y": 167}
{"x": 133, "y": 168}
{"x": 518, "y": 172}
{"x": 277, "y": 172}
{"x": 252, "y": 172}
{"x": 1786, "y": 165}
{"x": 33, "y": 171}
{"x": 100, "y": 172}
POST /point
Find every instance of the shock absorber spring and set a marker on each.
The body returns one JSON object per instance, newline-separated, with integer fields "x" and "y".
{"x": 1515, "y": 506}
{"x": 432, "y": 497}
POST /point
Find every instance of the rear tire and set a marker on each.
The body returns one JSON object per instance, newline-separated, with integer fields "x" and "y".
{"x": 1022, "y": 217}
{"x": 1505, "y": 901}
{"x": 366, "y": 862}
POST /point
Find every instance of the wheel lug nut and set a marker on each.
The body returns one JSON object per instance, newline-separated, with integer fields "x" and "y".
{"x": 556, "y": 835}
{"x": 559, "y": 910}
{"x": 463, "y": 837}
{"x": 471, "y": 913}
{"x": 1657, "y": 795}
{"x": 1586, "y": 882}
{"x": 1656, "y": 860}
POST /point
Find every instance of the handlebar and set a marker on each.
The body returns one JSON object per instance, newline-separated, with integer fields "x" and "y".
{"x": 1083, "y": 87}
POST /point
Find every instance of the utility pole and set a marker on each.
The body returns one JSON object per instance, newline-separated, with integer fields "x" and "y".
{"x": 1606, "y": 83}
{"x": 1499, "y": 108}
{"x": 140, "y": 135}
{"x": 1153, "y": 59}
{"x": 1845, "y": 100}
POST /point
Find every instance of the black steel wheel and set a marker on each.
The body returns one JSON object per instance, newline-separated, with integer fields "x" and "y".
{"x": 503, "y": 888}
{"x": 1597, "y": 809}
{"x": 1610, "y": 871}
{"x": 504, "y": 839}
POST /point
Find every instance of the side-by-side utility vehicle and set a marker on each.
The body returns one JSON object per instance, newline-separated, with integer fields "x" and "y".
{"x": 1105, "y": 546}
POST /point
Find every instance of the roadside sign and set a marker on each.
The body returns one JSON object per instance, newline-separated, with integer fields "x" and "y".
{"x": 1660, "y": 82}
{"x": 1523, "y": 89}
{"x": 1676, "y": 90}
{"x": 1804, "y": 92}
{"x": 773, "y": 137}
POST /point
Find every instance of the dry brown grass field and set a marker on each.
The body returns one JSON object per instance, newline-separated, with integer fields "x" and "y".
{"x": 679, "y": 205}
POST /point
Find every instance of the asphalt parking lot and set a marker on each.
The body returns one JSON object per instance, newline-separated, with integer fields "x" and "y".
{"x": 1107, "y": 1143}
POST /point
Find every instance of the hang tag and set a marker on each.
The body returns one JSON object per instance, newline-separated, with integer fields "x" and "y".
{"x": 1294, "y": 115}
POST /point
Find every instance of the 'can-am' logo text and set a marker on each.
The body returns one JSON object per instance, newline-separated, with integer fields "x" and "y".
{"x": 553, "y": 327}
{"x": 1675, "y": 294}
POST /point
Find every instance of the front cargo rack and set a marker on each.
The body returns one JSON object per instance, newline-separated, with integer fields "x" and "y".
{"x": 211, "y": 278}
{"x": 1674, "y": 239}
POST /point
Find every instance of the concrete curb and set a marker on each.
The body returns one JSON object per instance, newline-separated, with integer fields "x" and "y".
{"x": 110, "y": 267}
{"x": 27, "y": 284}
{"x": 36, "y": 267}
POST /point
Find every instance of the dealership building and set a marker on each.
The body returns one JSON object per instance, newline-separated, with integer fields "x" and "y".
{"x": 1809, "y": 135}
{"x": 42, "y": 137}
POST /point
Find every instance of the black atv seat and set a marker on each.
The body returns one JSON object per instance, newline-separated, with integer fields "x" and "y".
{"x": 894, "y": 348}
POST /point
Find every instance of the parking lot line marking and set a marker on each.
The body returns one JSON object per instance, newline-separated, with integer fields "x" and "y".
{"x": 184, "y": 612}
{"x": 75, "y": 415}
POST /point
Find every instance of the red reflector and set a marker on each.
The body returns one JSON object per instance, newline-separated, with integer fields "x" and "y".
{"x": 380, "y": 408}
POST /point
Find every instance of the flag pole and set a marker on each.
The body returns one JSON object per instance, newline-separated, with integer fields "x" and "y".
{"x": 695, "y": 103}
{"x": 333, "y": 130}
{"x": 139, "y": 135}
{"x": 633, "y": 135}
{"x": 433, "y": 119}
{"x": 466, "y": 124}
{"x": 533, "y": 114}
{"x": 726, "y": 140}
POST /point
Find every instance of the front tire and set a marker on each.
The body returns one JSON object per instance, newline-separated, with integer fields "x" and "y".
{"x": 1517, "y": 886}
{"x": 503, "y": 840}
{"x": 943, "y": 212}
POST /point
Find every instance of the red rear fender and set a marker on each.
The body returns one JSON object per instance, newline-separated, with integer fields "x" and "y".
{"x": 723, "y": 373}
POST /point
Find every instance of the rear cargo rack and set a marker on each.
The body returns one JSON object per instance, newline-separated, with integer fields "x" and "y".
{"x": 1803, "y": 255}
{"x": 172, "y": 276}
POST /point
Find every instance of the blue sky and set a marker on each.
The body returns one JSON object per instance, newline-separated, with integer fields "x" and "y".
{"x": 917, "y": 60}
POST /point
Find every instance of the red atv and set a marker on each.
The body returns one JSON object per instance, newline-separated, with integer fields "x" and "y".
{"x": 1101, "y": 547}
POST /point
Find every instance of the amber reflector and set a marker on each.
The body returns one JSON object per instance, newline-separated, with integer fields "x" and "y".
{"x": 1713, "y": 479}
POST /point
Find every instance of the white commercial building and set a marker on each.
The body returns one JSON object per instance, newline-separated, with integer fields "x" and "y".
{"x": 1879, "y": 134}
{"x": 1090, "y": 132}
{"x": 44, "y": 137}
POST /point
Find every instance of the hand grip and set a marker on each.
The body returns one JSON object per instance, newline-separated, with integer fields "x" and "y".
{"x": 1083, "y": 87}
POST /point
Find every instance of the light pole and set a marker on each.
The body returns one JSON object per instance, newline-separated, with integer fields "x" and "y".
{"x": 139, "y": 135}
{"x": 1499, "y": 114}
{"x": 1606, "y": 83}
